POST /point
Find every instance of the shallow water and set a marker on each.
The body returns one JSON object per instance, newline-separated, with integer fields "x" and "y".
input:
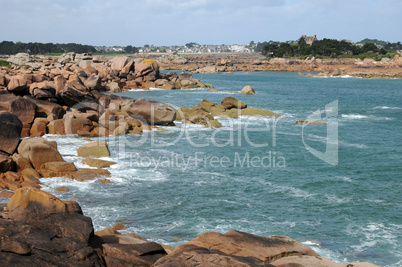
{"x": 258, "y": 174}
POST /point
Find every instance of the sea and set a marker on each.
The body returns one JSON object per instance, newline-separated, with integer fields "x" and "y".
{"x": 336, "y": 187}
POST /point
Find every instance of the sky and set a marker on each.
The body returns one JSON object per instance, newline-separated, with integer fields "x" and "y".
{"x": 177, "y": 22}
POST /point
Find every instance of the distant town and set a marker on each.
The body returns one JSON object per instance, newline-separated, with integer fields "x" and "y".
{"x": 194, "y": 47}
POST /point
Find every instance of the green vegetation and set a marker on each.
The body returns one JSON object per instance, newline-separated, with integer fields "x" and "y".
{"x": 329, "y": 48}
{"x": 4, "y": 63}
{"x": 10, "y": 48}
{"x": 53, "y": 54}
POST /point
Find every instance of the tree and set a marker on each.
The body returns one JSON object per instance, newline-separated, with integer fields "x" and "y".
{"x": 367, "y": 47}
{"x": 131, "y": 49}
{"x": 192, "y": 44}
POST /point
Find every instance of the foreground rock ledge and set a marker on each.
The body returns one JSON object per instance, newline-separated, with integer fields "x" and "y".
{"x": 38, "y": 229}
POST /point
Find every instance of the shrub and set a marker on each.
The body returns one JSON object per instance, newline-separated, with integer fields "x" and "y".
{"x": 4, "y": 63}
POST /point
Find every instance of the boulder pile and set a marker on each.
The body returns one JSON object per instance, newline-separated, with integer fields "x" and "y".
{"x": 95, "y": 72}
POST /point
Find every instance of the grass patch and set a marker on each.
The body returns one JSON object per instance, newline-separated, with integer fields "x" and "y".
{"x": 53, "y": 54}
{"x": 4, "y": 63}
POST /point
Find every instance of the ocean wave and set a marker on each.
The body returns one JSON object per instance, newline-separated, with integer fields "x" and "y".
{"x": 324, "y": 139}
{"x": 369, "y": 117}
{"x": 345, "y": 178}
{"x": 146, "y": 90}
{"x": 326, "y": 253}
{"x": 386, "y": 107}
{"x": 293, "y": 191}
{"x": 341, "y": 76}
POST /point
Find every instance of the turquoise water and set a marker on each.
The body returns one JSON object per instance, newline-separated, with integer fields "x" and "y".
{"x": 256, "y": 174}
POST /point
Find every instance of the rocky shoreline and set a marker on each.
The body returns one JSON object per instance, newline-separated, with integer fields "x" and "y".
{"x": 38, "y": 229}
{"x": 68, "y": 97}
{"x": 248, "y": 62}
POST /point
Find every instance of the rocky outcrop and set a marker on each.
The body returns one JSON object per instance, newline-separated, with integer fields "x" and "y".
{"x": 20, "y": 59}
{"x": 76, "y": 92}
{"x": 10, "y": 132}
{"x": 39, "y": 151}
{"x": 153, "y": 112}
{"x": 94, "y": 150}
{"x": 309, "y": 122}
{"x": 236, "y": 248}
{"x": 247, "y": 90}
{"x": 18, "y": 85}
{"x": 231, "y": 102}
{"x": 40, "y": 229}
{"x": 206, "y": 112}
{"x": 243, "y": 244}
{"x": 191, "y": 255}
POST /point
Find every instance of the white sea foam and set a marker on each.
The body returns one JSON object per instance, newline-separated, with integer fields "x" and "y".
{"x": 292, "y": 191}
{"x": 324, "y": 252}
{"x": 345, "y": 178}
{"x": 335, "y": 199}
{"x": 386, "y": 107}
{"x": 323, "y": 139}
{"x": 368, "y": 117}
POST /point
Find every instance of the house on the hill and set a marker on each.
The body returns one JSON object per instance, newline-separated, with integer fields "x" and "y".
{"x": 310, "y": 39}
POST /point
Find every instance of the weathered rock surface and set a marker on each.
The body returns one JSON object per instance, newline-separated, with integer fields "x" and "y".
{"x": 98, "y": 163}
{"x": 309, "y": 122}
{"x": 94, "y": 150}
{"x": 39, "y": 151}
{"x": 45, "y": 108}
{"x": 247, "y": 90}
{"x": 18, "y": 85}
{"x": 10, "y": 132}
{"x": 75, "y": 92}
{"x": 191, "y": 255}
{"x": 231, "y": 102}
{"x": 57, "y": 169}
{"x": 39, "y": 229}
{"x": 258, "y": 112}
{"x": 144, "y": 254}
{"x": 153, "y": 112}
{"x": 243, "y": 244}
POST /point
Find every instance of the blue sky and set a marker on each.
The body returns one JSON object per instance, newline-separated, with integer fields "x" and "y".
{"x": 177, "y": 22}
